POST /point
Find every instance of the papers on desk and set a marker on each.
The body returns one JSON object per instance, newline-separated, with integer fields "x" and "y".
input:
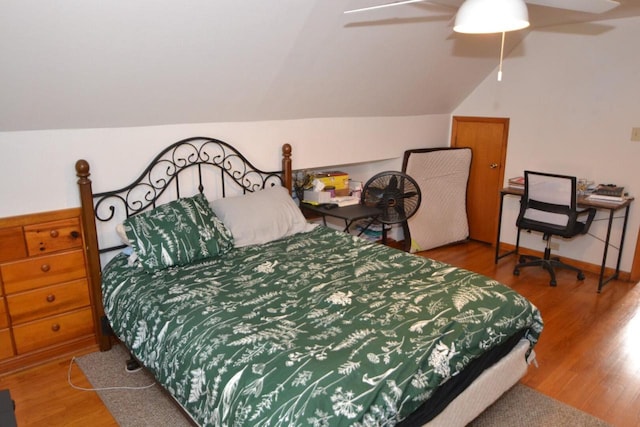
{"x": 608, "y": 194}
{"x": 345, "y": 200}
{"x": 606, "y": 199}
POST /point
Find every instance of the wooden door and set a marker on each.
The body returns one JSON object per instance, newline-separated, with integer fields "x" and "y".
{"x": 635, "y": 267}
{"x": 487, "y": 138}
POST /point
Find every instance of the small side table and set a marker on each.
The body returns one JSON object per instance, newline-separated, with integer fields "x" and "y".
{"x": 349, "y": 214}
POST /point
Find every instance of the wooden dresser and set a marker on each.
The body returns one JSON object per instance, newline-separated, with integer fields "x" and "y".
{"x": 45, "y": 304}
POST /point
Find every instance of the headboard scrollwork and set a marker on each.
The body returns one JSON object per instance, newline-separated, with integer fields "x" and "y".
{"x": 166, "y": 169}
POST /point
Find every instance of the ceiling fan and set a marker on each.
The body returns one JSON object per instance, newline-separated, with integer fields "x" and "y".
{"x": 501, "y": 16}
{"x": 588, "y": 6}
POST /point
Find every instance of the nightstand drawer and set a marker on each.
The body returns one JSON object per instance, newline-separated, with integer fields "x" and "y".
{"x": 4, "y": 320}
{"x": 47, "y": 301}
{"x": 36, "y": 272}
{"x": 53, "y": 330}
{"x": 6, "y": 348}
{"x": 53, "y": 236}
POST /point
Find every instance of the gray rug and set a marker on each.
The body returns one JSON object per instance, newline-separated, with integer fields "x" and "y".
{"x": 520, "y": 406}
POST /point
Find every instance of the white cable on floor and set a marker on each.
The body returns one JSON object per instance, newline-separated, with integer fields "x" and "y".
{"x": 73, "y": 359}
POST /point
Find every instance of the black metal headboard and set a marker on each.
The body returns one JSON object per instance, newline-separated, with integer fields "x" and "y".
{"x": 165, "y": 179}
{"x": 182, "y": 169}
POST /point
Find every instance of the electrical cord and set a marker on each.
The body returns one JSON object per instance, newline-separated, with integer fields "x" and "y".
{"x": 73, "y": 359}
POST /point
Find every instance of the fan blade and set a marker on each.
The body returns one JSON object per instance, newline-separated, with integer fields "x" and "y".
{"x": 376, "y": 192}
{"x": 409, "y": 194}
{"x": 380, "y": 6}
{"x": 590, "y": 6}
{"x": 393, "y": 184}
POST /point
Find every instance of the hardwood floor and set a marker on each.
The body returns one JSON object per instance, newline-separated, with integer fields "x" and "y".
{"x": 588, "y": 354}
{"x": 44, "y": 397}
{"x": 589, "y": 351}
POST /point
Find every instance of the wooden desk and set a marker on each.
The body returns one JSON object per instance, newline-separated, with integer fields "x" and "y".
{"x": 583, "y": 202}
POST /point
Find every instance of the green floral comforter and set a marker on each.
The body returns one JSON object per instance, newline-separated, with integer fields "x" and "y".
{"x": 320, "y": 329}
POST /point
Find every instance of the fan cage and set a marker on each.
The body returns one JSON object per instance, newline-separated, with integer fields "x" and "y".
{"x": 397, "y": 194}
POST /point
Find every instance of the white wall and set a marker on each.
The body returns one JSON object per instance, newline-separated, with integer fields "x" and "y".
{"x": 572, "y": 99}
{"x": 38, "y": 174}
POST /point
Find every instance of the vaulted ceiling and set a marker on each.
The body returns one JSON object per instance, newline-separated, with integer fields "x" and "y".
{"x": 95, "y": 63}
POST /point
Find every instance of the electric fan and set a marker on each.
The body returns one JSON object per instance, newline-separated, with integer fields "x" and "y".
{"x": 395, "y": 193}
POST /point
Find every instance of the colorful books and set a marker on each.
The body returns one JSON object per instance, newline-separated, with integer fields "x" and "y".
{"x": 516, "y": 182}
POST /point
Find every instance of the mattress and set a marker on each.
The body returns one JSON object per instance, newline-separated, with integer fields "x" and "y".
{"x": 319, "y": 328}
{"x": 442, "y": 175}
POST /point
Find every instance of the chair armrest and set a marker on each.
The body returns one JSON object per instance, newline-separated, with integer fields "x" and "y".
{"x": 591, "y": 213}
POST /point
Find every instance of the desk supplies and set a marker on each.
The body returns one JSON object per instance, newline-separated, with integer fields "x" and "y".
{"x": 345, "y": 200}
{"x": 608, "y": 193}
{"x": 609, "y": 190}
{"x": 516, "y": 182}
{"x": 337, "y": 179}
{"x": 606, "y": 199}
{"x": 316, "y": 197}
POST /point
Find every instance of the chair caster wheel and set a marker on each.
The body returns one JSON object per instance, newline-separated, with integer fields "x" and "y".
{"x": 553, "y": 283}
{"x": 516, "y": 272}
{"x": 580, "y": 276}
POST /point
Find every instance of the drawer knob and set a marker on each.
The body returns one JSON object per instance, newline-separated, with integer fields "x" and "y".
{"x": 51, "y": 298}
{"x": 55, "y": 327}
{"x": 54, "y": 233}
{"x": 75, "y": 234}
{"x": 45, "y": 267}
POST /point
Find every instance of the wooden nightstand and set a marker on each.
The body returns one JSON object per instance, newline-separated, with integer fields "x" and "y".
{"x": 45, "y": 305}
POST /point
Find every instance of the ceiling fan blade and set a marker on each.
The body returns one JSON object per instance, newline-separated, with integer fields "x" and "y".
{"x": 380, "y": 6}
{"x": 590, "y": 6}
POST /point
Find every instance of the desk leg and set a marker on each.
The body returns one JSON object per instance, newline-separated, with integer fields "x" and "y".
{"x": 601, "y": 280}
{"x": 498, "y": 256}
{"x": 366, "y": 227}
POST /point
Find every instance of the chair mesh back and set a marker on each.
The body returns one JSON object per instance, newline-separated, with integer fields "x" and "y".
{"x": 555, "y": 190}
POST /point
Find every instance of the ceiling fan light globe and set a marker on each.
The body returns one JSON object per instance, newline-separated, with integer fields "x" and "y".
{"x": 491, "y": 16}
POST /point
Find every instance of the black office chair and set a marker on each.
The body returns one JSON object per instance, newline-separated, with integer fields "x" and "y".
{"x": 549, "y": 206}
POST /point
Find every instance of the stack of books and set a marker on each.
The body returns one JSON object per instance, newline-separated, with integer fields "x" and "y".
{"x": 608, "y": 193}
{"x": 517, "y": 182}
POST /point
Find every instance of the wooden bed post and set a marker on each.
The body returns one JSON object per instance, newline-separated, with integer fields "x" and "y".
{"x": 286, "y": 167}
{"x": 91, "y": 250}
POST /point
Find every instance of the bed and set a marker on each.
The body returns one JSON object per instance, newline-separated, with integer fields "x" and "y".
{"x": 247, "y": 315}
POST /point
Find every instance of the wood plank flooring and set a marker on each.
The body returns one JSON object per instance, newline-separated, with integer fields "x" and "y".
{"x": 588, "y": 354}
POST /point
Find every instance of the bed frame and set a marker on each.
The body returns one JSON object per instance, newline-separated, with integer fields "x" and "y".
{"x": 171, "y": 174}
{"x": 165, "y": 177}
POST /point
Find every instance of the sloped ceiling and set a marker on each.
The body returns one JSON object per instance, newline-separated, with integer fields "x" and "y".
{"x": 118, "y": 63}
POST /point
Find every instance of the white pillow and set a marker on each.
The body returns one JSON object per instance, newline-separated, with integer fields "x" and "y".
{"x": 260, "y": 217}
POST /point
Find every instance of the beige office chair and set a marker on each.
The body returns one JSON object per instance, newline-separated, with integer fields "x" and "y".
{"x": 549, "y": 206}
